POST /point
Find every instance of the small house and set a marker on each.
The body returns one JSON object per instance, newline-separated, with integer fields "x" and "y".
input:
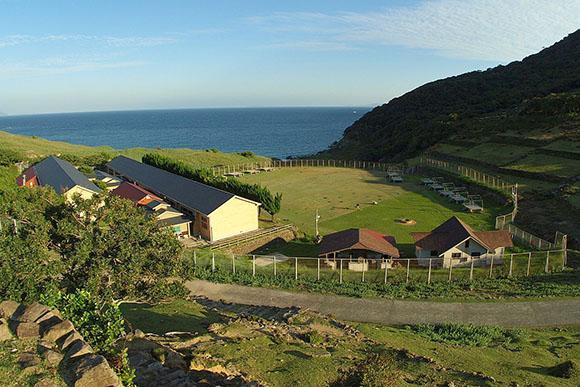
{"x": 59, "y": 174}
{"x": 134, "y": 193}
{"x": 454, "y": 243}
{"x": 361, "y": 246}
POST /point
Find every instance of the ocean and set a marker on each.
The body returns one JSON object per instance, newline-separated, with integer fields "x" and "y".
{"x": 274, "y": 132}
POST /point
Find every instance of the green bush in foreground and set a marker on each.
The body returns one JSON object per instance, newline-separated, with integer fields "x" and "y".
{"x": 565, "y": 284}
{"x": 467, "y": 335}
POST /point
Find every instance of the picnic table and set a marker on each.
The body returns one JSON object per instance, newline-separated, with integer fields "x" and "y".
{"x": 427, "y": 181}
{"x": 233, "y": 174}
{"x": 396, "y": 179}
{"x": 458, "y": 198}
{"x": 472, "y": 207}
{"x": 436, "y": 187}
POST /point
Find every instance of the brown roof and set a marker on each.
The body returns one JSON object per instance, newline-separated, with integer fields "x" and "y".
{"x": 359, "y": 239}
{"x": 134, "y": 193}
{"x": 454, "y": 231}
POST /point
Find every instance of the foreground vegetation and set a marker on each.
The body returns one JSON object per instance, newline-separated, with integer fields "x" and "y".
{"x": 312, "y": 350}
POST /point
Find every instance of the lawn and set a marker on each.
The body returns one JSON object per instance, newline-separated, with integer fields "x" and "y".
{"x": 335, "y": 192}
{"x": 36, "y": 147}
{"x": 313, "y": 350}
{"x": 550, "y": 165}
{"x": 497, "y": 154}
{"x": 565, "y": 145}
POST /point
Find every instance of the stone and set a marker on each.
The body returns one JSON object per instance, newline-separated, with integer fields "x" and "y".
{"x": 77, "y": 349}
{"x": 31, "y": 313}
{"x": 5, "y": 333}
{"x": 174, "y": 360}
{"x": 26, "y": 330}
{"x": 27, "y": 360}
{"x": 7, "y": 308}
{"x": 58, "y": 330}
{"x": 91, "y": 371}
{"x": 53, "y": 358}
{"x": 65, "y": 341}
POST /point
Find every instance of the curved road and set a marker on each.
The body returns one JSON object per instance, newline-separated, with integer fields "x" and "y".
{"x": 394, "y": 312}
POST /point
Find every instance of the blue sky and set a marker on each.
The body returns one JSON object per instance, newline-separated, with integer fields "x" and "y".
{"x": 61, "y": 56}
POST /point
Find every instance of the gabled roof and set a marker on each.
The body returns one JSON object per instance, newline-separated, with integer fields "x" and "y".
{"x": 134, "y": 193}
{"x": 188, "y": 193}
{"x": 359, "y": 239}
{"x": 61, "y": 175}
{"x": 454, "y": 231}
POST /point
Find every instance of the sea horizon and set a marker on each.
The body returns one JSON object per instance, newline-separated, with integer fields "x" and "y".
{"x": 269, "y": 131}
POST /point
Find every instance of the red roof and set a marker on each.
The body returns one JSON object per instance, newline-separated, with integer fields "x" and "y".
{"x": 31, "y": 179}
{"x": 359, "y": 239}
{"x": 134, "y": 193}
{"x": 454, "y": 231}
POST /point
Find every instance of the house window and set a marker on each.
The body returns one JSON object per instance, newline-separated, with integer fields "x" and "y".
{"x": 475, "y": 254}
{"x": 467, "y": 244}
{"x": 434, "y": 253}
{"x": 456, "y": 255}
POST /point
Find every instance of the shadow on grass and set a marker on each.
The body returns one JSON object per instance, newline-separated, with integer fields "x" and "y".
{"x": 180, "y": 316}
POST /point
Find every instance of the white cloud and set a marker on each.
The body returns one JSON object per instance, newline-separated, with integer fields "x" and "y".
{"x": 108, "y": 41}
{"x": 494, "y": 30}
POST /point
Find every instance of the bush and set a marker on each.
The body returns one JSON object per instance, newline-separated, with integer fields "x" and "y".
{"x": 9, "y": 157}
{"x": 247, "y": 154}
{"x": 467, "y": 335}
{"x": 381, "y": 368}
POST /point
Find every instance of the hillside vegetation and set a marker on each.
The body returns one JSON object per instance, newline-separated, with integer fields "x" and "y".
{"x": 35, "y": 147}
{"x": 536, "y": 93}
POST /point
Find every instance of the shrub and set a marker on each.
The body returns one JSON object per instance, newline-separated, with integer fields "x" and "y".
{"x": 467, "y": 335}
{"x": 378, "y": 369}
{"x": 9, "y": 157}
{"x": 247, "y": 154}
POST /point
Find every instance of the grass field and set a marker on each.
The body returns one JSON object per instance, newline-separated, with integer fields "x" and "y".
{"x": 550, "y": 165}
{"x": 312, "y": 350}
{"x": 335, "y": 192}
{"x": 497, "y": 154}
{"x": 36, "y": 147}
{"x": 565, "y": 145}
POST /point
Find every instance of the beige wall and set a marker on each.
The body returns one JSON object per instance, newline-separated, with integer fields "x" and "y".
{"x": 234, "y": 217}
{"x": 474, "y": 247}
{"x": 83, "y": 192}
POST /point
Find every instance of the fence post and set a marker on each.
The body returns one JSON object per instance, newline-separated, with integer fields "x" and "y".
{"x": 296, "y": 268}
{"x": 546, "y": 268}
{"x": 233, "y": 264}
{"x": 450, "y": 268}
{"x": 471, "y": 270}
{"x": 386, "y": 274}
{"x": 274, "y": 266}
{"x": 253, "y": 265}
{"x": 363, "y": 271}
{"x": 212, "y": 261}
{"x": 194, "y": 259}
{"x": 340, "y": 270}
{"x": 429, "y": 275}
{"x": 408, "y": 264}
{"x": 318, "y": 269}
{"x": 511, "y": 265}
{"x": 564, "y": 258}
{"x": 529, "y": 264}
{"x": 491, "y": 268}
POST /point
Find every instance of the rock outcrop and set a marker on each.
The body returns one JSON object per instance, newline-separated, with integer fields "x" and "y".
{"x": 59, "y": 344}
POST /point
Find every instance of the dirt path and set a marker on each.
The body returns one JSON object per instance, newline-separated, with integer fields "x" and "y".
{"x": 532, "y": 313}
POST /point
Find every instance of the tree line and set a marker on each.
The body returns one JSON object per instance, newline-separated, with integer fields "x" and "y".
{"x": 271, "y": 203}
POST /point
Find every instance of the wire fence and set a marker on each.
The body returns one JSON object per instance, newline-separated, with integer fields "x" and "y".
{"x": 251, "y": 168}
{"x": 406, "y": 270}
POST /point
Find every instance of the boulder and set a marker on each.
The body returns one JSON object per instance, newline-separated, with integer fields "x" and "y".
{"x": 7, "y": 308}
{"x": 91, "y": 371}
{"x": 26, "y": 330}
{"x": 58, "y": 330}
{"x": 5, "y": 333}
{"x": 28, "y": 359}
{"x": 77, "y": 349}
{"x": 53, "y": 358}
{"x": 47, "y": 320}
{"x": 65, "y": 341}
{"x": 31, "y": 313}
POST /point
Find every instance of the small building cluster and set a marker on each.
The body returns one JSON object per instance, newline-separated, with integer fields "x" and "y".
{"x": 453, "y": 243}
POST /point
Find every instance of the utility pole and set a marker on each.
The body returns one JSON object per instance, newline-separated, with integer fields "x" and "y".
{"x": 316, "y": 219}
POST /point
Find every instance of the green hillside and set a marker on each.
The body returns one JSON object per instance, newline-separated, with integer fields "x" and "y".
{"x": 526, "y": 98}
{"x": 35, "y": 147}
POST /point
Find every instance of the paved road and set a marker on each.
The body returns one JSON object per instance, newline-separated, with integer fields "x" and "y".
{"x": 522, "y": 314}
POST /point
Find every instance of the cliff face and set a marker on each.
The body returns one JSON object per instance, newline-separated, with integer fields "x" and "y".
{"x": 454, "y": 106}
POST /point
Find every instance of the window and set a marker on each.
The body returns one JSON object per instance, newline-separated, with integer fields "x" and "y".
{"x": 456, "y": 255}
{"x": 467, "y": 244}
{"x": 475, "y": 254}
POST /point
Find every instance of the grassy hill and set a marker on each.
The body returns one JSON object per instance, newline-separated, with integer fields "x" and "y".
{"x": 524, "y": 97}
{"x": 34, "y": 147}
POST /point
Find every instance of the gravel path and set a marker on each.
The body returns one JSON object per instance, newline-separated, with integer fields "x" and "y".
{"x": 522, "y": 314}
